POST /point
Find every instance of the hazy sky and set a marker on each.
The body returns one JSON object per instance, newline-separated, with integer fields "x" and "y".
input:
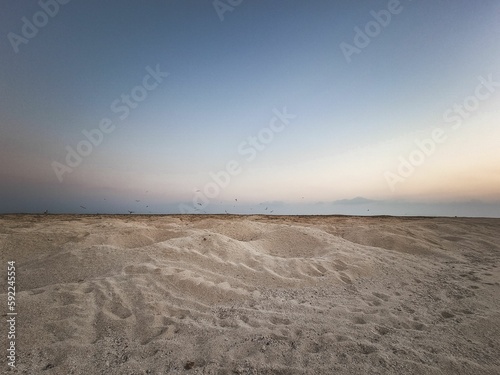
{"x": 298, "y": 106}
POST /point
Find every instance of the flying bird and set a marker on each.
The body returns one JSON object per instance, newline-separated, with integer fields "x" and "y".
{"x": 131, "y": 212}
{"x": 83, "y": 207}
{"x": 137, "y": 200}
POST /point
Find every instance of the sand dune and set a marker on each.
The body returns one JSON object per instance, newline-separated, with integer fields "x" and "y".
{"x": 254, "y": 294}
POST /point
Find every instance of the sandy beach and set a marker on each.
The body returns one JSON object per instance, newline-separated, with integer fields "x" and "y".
{"x": 228, "y": 294}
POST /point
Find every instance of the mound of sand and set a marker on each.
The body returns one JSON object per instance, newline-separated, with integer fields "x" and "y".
{"x": 253, "y": 294}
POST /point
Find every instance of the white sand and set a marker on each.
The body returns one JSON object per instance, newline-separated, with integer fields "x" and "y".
{"x": 253, "y": 294}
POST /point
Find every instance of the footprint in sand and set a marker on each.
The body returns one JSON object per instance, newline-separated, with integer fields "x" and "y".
{"x": 277, "y": 321}
{"x": 346, "y": 279}
{"x": 119, "y": 310}
{"x": 321, "y": 269}
{"x": 447, "y": 314}
{"x": 244, "y": 318}
{"x": 418, "y": 326}
{"x": 62, "y": 330}
{"x": 367, "y": 349}
{"x": 340, "y": 266}
{"x": 382, "y": 296}
{"x": 359, "y": 320}
{"x": 382, "y": 330}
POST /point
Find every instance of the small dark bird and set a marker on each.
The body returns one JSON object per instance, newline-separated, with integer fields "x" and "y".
{"x": 83, "y": 207}
{"x": 137, "y": 200}
{"x": 272, "y": 211}
{"x": 236, "y": 199}
{"x": 266, "y": 208}
{"x": 46, "y": 212}
{"x": 131, "y": 212}
{"x": 199, "y": 204}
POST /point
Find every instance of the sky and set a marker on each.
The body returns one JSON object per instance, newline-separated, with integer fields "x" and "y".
{"x": 295, "y": 107}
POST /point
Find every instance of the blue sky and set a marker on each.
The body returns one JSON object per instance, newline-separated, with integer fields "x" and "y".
{"x": 353, "y": 123}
